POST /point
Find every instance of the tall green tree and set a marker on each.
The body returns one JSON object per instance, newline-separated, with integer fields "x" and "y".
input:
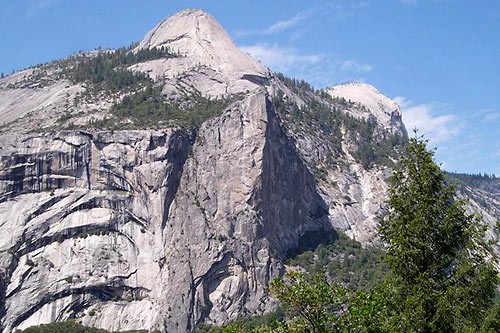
{"x": 316, "y": 304}
{"x": 440, "y": 280}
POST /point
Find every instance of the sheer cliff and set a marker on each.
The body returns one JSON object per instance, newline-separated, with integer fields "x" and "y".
{"x": 122, "y": 223}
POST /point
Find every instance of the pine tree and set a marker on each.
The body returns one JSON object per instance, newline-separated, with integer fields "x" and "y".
{"x": 440, "y": 281}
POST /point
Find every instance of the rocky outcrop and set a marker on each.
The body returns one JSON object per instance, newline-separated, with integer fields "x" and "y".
{"x": 81, "y": 217}
{"x": 372, "y": 105}
{"x": 209, "y": 62}
{"x": 245, "y": 200}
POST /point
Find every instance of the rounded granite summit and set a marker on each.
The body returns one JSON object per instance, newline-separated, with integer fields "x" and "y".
{"x": 384, "y": 109}
{"x": 196, "y": 34}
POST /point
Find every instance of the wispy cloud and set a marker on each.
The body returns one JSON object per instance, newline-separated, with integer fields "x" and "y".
{"x": 487, "y": 115}
{"x": 472, "y": 149}
{"x": 413, "y": 2}
{"x": 288, "y": 23}
{"x": 491, "y": 116}
{"x": 280, "y": 26}
{"x": 409, "y": 2}
{"x": 36, "y": 6}
{"x": 320, "y": 69}
{"x": 341, "y": 10}
{"x": 336, "y": 9}
{"x": 424, "y": 117}
{"x": 355, "y": 66}
{"x": 281, "y": 59}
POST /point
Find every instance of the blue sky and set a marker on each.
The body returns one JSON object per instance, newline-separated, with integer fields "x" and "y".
{"x": 440, "y": 59}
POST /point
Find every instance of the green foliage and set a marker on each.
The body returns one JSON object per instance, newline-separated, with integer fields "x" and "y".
{"x": 491, "y": 323}
{"x": 317, "y": 303}
{"x": 271, "y": 319}
{"x": 107, "y": 71}
{"x": 148, "y": 108}
{"x": 326, "y": 115}
{"x": 366, "y": 310}
{"x": 440, "y": 280}
{"x": 299, "y": 87}
{"x": 469, "y": 184}
{"x": 474, "y": 180}
{"x": 382, "y": 151}
{"x": 102, "y": 73}
{"x": 317, "y": 116}
{"x": 67, "y": 327}
{"x": 345, "y": 260}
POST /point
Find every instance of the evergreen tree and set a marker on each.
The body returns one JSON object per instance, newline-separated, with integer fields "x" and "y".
{"x": 440, "y": 281}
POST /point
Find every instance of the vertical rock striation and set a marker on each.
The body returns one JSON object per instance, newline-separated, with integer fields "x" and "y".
{"x": 81, "y": 220}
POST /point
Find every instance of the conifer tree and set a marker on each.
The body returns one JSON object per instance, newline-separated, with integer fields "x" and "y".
{"x": 440, "y": 281}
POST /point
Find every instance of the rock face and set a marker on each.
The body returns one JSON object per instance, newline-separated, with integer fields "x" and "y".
{"x": 104, "y": 225}
{"x": 83, "y": 214}
{"x": 375, "y": 105}
{"x": 169, "y": 228}
{"x": 209, "y": 64}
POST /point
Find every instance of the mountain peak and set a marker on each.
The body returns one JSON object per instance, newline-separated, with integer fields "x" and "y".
{"x": 385, "y": 110}
{"x": 195, "y": 34}
{"x": 192, "y": 24}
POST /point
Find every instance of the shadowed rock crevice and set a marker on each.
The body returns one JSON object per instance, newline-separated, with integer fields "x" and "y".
{"x": 82, "y": 231}
{"x": 89, "y": 295}
{"x": 208, "y": 282}
{"x": 287, "y": 200}
{"x": 179, "y": 147}
{"x": 29, "y": 173}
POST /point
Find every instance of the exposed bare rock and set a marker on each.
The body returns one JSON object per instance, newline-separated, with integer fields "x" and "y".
{"x": 373, "y": 104}
{"x": 38, "y": 102}
{"x": 209, "y": 63}
{"x": 84, "y": 212}
{"x": 99, "y": 220}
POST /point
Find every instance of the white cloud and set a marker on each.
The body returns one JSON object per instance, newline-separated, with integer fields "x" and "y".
{"x": 487, "y": 115}
{"x": 335, "y": 9}
{"x": 319, "y": 69}
{"x": 413, "y": 2}
{"x": 359, "y": 4}
{"x": 281, "y": 59}
{"x": 287, "y": 24}
{"x": 35, "y": 6}
{"x": 492, "y": 116}
{"x": 437, "y": 128}
{"x": 345, "y": 9}
{"x": 354, "y": 66}
{"x": 279, "y": 26}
